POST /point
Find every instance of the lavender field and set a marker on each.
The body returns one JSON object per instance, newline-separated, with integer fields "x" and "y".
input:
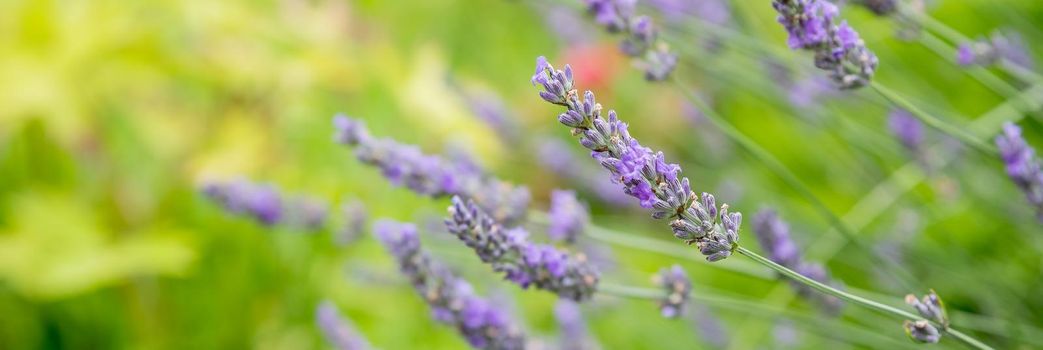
{"x": 521, "y": 174}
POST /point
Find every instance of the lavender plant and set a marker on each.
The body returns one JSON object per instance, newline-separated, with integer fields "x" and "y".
{"x": 907, "y": 129}
{"x": 930, "y": 308}
{"x": 644, "y": 175}
{"x": 999, "y": 46}
{"x": 879, "y": 7}
{"x": 811, "y": 25}
{"x": 573, "y": 333}
{"x": 338, "y": 331}
{"x": 267, "y": 205}
{"x": 1022, "y": 165}
{"x": 678, "y": 289}
{"x": 568, "y": 217}
{"x": 773, "y": 234}
{"x": 452, "y": 299}
{"x": 509, "y": 252}
{"x": 641, "y": 36}
{"x": 648, "y": 178}
{"x": 433, "y": 176}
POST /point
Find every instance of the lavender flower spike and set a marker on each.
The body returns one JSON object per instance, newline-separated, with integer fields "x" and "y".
{"x": 773, "y": 235}
{"x": 641, "y": 36}
{"x": 644, "y": 175}
{"x": 931, "y": 308}
{"x": 573, "y": 333}
{"x": 522, "y": 262}
{"x": 678, "y": 290}
{"x": 452, "y": 299}
{"x": 433, "y": 176}
{"x": 568, "y": 217}
{"x": 838, "y": 49}
{"x": 267, "y": 205}
{"x": 339, "y": 331}
{"x": 908, "y": 129}
{"x": 1022, "y": 165}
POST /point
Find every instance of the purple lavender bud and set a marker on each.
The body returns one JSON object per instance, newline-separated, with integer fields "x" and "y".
{"x": 906, "y": 128}
{"x": 646, "y": 176}
{"x": 339, "y": 331}
{"x": 678, "y": 290}
{"x": 509, "y": 252}
{"x": 452, "y": 299}
{"x": 930, "y": 307}
{"x": 1022, "y": 165}
{"x": 922, "y": 332}
{"x": 965, "y": 55}
{"x": 568, "y": 217}
{"x": 773, "y": 234}
{"x": 349, "y": 131}
{"x": 774, "y": 237}
{"x": 573, "y": 334}
{"x": 572, "y": 119}
{"x": 811, "y": 25}
{"x": 405, "y": 165}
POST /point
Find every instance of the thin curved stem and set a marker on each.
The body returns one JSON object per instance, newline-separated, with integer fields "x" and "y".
{"x": 931, "y": 120}
{"x": 854, "y": 299}
{"x": 954, "y": 36}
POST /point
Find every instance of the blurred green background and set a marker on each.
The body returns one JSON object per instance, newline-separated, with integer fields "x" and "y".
{"x": 113, "y": 113}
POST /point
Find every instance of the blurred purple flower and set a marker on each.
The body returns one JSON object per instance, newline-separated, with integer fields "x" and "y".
{"x": 573, "y": 334}
{"x": 811, "y": 25}
{"x": 568, "y": 217}
{"x": 644, "y": 175}
{"x": 1022, "y": 165}
{"x": 640, "y": 36}
{"x": 678, "y": 289}
{"x": 452, "y": 300}
{"x": 773, "y": 235}
{"x": 265, "y": 204}
{"x": 355, "y": 216}
{"x": 906, "y": 128}
{"x": 509, "y": 251}
{"x": 339, "y": 331}
{"x": 431, "y": 175}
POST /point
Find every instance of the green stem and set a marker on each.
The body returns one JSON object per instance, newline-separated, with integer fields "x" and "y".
{"x": 851, "y": 298}
{"x": 956, "y": 37}
{"x": 931, "y": 120}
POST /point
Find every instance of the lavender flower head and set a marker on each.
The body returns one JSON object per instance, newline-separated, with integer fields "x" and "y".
{"x": 1022, "y": 165}
{"x": 573, "y": 333}
{"x": 338, "y": 331}
{"x": 262, "y": 202}
{"x": 405, "y": 165}
{"x": 641, "y": 36}
{"x": 452, "y": 299}
{"x": 931, "y": 309}
{"x": 644, "y": 175}
{"x": 984, "y": 52}
{"x": 906, "y": 128}
{"x": 773, "y": 235}
{"x": 922, "y": 331}
{"x": 568, "y": 217}
{"x": 522, "y": 262}
{"x": 811, "y": 25}
{"x": 678, "y": 290}
{"x": 267, "y": 205}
